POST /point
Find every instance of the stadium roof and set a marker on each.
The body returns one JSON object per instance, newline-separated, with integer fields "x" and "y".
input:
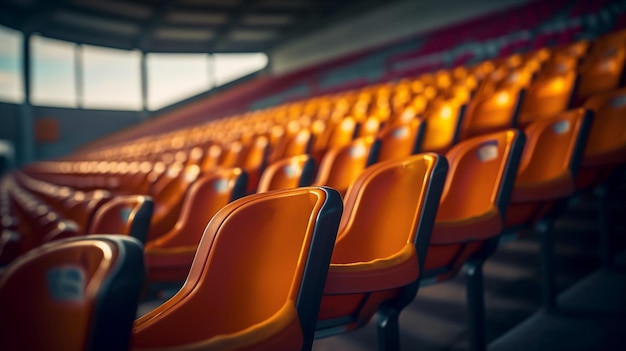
{"x": 178, "y": 25}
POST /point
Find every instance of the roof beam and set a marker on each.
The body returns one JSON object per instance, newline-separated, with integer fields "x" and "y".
{"x": 146, "y": 34}
{"x": 235, "y": 18}
{"x": 41, "y": 14}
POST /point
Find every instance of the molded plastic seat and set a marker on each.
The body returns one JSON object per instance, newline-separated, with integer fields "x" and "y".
{"x": 342, "y": 165}
{"x": 602, "y": 69}
{"x": 443, "y": 124}
{"x": 73, "y": 294}
{"x": 549, "y": 164}
{"x": 169, "y": 257}
{"x": 381, "y": 245}
{"x": 401, "y": 140}
{"x": 129, "y": 215}
{"x": 551, "y": 93}
{"x": 256, "y": 280}
{"x": 545, "y": 180}
{"x": 291, "y": 172}
{"x": 168, "y": 201}
{"x": 471, "y": 215}
{"x": 491, "y": 111}
{"x": 294, "y": 144}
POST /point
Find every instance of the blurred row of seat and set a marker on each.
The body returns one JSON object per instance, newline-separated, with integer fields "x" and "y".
{"x": 409, "y": 218}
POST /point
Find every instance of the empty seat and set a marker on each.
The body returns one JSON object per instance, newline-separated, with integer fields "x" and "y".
{"x": 74, "y": 294}
{"x": 471, "y": 215}
{"x": 602, "y": 69}
{"x": 256, "y": 280}
{"x": 401, "y": 140}
{"x": 129, "y": 215}
{"x": 287, "y": 173}
{"x": 381, "y": 245}
{"x": 342, "y": 165}
{"x": 552, "y": 92}
{"x": 491, "y": 111}
{"x": 169, "y": 257}
{"x": 443, "y": 125}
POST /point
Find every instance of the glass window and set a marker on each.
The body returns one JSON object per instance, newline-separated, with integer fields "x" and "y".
{"x": 52, "y": 72}
{"x": 111, "y": 78}
{"x": 11, "y": 84}
{"x": 229, "y": 67}
{"x": 173, "y": 77}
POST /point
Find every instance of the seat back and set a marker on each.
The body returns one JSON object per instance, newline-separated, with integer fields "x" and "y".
{"x": 443, "y": 123}
{"x": 168, "y": 201}
{"x": 342, "y": 165}
{"x": 257, "y": 276}
{"x": 401, "y": 140}
{"x": 492, "y": 111}
{"x": 128, "y": 215}
{"x": 391, "y": 204}
{"x": 553, "y": 150}
{"x": 73, "y": 294}
{"x": 602, "y": 69}
{"x": 607, "y": 139}
{"x": 287, "y": 173}
{"x": 205, "y": 197}
{"x": 552, "y": 92}
{"x": 482, "y": 174}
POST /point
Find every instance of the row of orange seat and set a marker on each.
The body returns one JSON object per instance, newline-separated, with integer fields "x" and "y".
{"x": 408, "y": 220}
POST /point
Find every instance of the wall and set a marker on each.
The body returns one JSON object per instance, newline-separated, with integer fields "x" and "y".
{"x": 389, "y": 24}
{"x": 75, "y": 128}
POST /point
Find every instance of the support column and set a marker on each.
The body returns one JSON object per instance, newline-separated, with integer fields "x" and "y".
{"x": 144, "y": 114}
{"x": 78, "y": 75}
{"x": 26, "y": 125}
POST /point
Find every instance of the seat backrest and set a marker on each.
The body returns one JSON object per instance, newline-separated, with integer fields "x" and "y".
{"x": 287, "y": 173}
{"x": 205, "y": 197}
{"x": 293, "y": 143}
{"x": 442, "y": 130}
{"x": 482, "y": 174}
{"x": 260, "y": 268}
{"x": 554, "y": 147}
{"x": 492, "y": 111}
{"x": 607, "y": 138}
{"x": 128, "y": 215}
{"x": 401, "y": 140}
{"x": 602, "y": 69}
{"x": 342, "y": 165}
{"x": 551, "y": 93}
{"x": 212, "y": 157}
{"x": 73, "y": 294}
{"x": 168, "y": 201}
{"x": 391, "y": 204}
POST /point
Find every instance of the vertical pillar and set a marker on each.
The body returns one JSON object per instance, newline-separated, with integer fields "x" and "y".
{"x": 144, "y": 114}
{"x": 211, "y": 73}
{"x": 26, "y": 138}
{"x": 78, "y": 75}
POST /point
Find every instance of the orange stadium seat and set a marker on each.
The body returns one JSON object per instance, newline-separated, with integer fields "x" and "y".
{"x": 74, "y": 294}
{"x": 291, "y": 172}
{"x": 401, "y": 140}
{"x": 545, "y": 181}
{"x": 256, "y": 280}
{"x": 169, "y": 257}
{"x": 471, "y": 216}
{"x": 342, "y": 165}
{"x": 130, "y": 215}
{"x": 381, "y": 245}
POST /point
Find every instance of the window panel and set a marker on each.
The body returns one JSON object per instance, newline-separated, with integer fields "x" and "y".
{"x": 229, "y": 67}
{"x": 11, "y": 84}
{"x": 174, "y": 77}
{"x": 111, "y": 78}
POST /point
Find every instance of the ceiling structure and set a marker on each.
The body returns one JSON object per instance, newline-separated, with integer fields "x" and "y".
{"x": 191, "y": 26}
